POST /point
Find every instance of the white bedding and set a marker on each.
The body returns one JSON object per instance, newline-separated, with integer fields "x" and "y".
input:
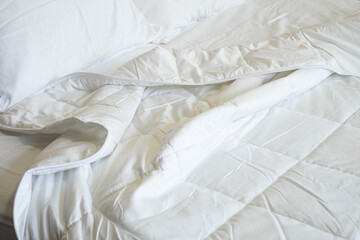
{"x": 245, "y": 127}
{"x": 43, "y": 40}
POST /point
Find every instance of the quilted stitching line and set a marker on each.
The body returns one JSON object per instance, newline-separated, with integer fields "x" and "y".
{"x": 332, "y": 168}
{"x": 63, "y": 234}
{"x": 61, "y": 100}
{"x": 319, "y": 117}
{"x": 310, "y": 115}
{"x": 348, "y": 125}
{"x": 214, "y": 190}
{"x": 304, "y": 162}
{"x": 116, "y": 224}
{"x": 295, "y": 219}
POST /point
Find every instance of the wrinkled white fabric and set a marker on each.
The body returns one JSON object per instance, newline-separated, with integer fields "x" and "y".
{"x": 202, "y": 139}
{"x": 43, "y": 40}
{"x": 176, "y": 16}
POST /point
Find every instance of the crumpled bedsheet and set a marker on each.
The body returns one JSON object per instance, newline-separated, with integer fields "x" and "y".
{"x": 230, "y": 141}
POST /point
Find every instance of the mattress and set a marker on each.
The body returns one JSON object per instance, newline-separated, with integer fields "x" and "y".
{"x": 246, "y": 126}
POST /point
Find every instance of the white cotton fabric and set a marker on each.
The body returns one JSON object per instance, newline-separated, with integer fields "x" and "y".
{"x": 41, "y": 41}
{"x": 176, "y": 16}
{"x": 204, "y": 136}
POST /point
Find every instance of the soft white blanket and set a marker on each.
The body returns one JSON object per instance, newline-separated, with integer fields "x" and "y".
{"x": 175, "y": 143}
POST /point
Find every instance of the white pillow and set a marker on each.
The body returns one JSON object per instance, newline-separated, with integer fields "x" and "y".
{"x": 42, "y": 40}
{"x": 175, "y": 14}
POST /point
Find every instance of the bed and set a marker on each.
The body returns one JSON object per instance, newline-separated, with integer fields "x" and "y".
{"x": 212, "y": 120}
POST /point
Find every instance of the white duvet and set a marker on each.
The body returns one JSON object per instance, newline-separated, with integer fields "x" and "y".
{"x": 239, "y": 129}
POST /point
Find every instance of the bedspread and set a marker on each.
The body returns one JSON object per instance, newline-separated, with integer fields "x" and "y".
{"x": 249, "y": 134}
